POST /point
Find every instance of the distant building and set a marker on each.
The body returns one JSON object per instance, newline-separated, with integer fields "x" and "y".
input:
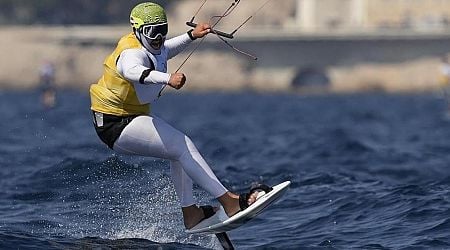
{"x": 316, "y": 15}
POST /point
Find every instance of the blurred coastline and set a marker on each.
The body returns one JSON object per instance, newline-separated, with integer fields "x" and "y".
{"x": 364, "y": 49}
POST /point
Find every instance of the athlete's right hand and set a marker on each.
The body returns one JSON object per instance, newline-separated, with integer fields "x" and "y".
{"x": 177, "y": 80}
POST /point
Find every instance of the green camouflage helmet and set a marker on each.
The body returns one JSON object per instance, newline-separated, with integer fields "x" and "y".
{"x": 147, "y": 13}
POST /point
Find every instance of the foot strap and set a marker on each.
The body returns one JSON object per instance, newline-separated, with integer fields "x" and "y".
{"x": 208, "y": 211}
{"x": 243, "y": 198}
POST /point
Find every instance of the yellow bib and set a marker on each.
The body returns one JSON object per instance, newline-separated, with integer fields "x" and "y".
{"x": 113, "y": 94}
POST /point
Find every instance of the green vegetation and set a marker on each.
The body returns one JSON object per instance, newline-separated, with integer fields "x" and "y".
{"x": 67, "y": 12}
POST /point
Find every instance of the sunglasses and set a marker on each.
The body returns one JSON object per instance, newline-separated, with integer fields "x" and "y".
{"x": 153, "y": 31}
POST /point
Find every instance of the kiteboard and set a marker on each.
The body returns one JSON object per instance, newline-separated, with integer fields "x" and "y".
{"x": 220, "y": 222}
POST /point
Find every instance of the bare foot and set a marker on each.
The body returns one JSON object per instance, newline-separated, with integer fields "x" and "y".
{"x": 193, "y": 215}
{"x": 230, "y": 202}
{"x": 252, "y": 198}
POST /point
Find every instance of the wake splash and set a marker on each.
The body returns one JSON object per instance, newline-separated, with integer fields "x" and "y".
{"x": 114, "y": 199}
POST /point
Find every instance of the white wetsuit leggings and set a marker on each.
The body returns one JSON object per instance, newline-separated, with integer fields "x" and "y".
{"x": 153, "y": 137}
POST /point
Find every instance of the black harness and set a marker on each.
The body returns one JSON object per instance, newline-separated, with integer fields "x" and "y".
{"x": 109, "y": 127}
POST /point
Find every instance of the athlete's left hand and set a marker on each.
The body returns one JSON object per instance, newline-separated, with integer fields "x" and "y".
{"x": 201, "y": 30}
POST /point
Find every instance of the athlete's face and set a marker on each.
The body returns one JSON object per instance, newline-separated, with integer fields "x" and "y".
{"x": 152, "y": 45}
{"x": 157, "y": 42}
{"x": 155, "y": 34}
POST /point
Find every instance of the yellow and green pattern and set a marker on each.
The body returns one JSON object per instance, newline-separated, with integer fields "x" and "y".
{"x": 147, "y": 14}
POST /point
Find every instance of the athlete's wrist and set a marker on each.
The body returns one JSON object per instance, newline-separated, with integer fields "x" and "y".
{"x": 157, "y": 77}
{"x": 191, "y": 36}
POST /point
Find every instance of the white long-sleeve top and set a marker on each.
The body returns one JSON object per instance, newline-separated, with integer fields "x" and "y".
{"x": 134, "y": 64}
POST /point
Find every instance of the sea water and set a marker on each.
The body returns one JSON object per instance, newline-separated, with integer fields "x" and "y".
{"x": 368, "y": 171}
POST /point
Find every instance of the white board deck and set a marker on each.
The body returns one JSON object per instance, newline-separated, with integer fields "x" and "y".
{"x": 220, "y": 222}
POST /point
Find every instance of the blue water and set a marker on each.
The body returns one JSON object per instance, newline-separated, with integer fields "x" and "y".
{"x": 368, "y": 172}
